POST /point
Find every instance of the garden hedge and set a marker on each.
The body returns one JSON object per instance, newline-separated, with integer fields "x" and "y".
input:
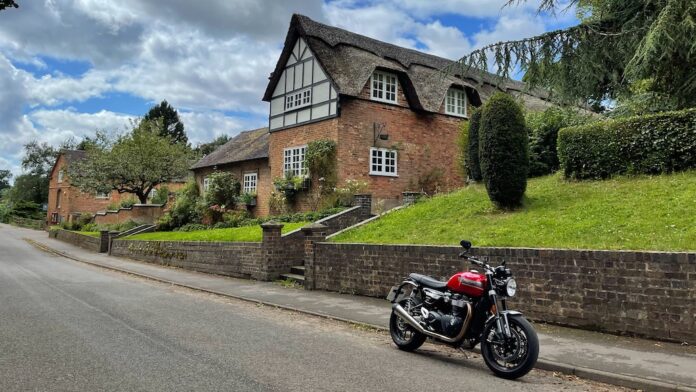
{"x": 472, "y": 155}
{"x": 651, "y": 144}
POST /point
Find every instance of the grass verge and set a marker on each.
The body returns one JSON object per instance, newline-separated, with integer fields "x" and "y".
{"x": 637, "y": 213}
{"x": 235, "y": 234}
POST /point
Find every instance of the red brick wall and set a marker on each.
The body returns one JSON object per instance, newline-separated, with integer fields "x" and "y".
{"x": 263, "y": 185}
{"x": 137, "y": 213}
{"x": 425, "y": 142}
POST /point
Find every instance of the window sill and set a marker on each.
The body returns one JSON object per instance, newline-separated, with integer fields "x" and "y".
{"x": 384, "y": 175}
{"x": 384, "y": 101}
{"x": 457, "y": 115}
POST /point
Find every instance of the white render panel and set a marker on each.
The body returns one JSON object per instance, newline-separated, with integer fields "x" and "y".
{"x": 296, "y": 49}
{"x": 298, "y": 75}
{"x": 291, "y": 118}
{"x": 332, "y": 108}
{"x": 332, "y": 95}
{"x": 303, "y": 115}
{"x": 290, "y": 77}
{"x": 280, "y": 87}
{"x": 302, "y": 47}
{"x": 319, "y": 75}
{"x": 320, "y": 111}
{"x": 320, "y": 92}
{"x": 307, "y": 79}
{"x": 277, "y": 105}
{"x": 276, "y": 122}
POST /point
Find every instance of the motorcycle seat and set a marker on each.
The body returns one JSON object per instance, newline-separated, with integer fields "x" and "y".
{"x": 428, "y": 281}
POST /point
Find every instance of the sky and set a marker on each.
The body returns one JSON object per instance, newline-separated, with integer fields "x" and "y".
{"x": 71, "y": 67}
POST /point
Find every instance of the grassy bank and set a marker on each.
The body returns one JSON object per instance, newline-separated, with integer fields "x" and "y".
{"x": 641, "y": 213}
{"x": 236, "y": 234}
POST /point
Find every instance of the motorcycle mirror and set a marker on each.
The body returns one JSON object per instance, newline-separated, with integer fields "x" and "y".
{"x": 503, "y": 263}
{"x": 465, "y": 244}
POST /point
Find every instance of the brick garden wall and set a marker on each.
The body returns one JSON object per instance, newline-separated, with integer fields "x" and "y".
{"x": 238, "y": 259}
{"x": 141, "y": 213}
{"x": 651, "y": 294}
{"x": 81, "y": 240}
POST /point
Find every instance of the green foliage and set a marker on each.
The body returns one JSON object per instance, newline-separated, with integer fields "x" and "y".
{"x": 26, "y": 209}
{"x": 161, "y": 195}
{"x": 652, "y": 144}
{"x": 618, "y": 42}
{"x": 543, "y": 133}
{"x": 5, "y": 177}
{"x": 223, "y": 189}
{"x": 320, "y": 161}
{"x": 5, "y": 211}
{"x": 289, "y": 186}
{"x": 133, "y": 163}
{"x": 188, "y": 208}
{"x": 30, "y": 187}
{"x": 503, "y": 150}
{"x": 8, "y": 4}
{"x": 463, "y": 146}
{"x": 206, "y": 148}
{"x": 343, "y": 196}
{"x": 650, "y": 213}
{"x": 128, "y": 202}
{"x": 473, "y": 164}
{"x": 236, "y": 234}
{"x": 248, "y": 198}
{"x": 168, "y": 123}
{"x": 640, "y": 100}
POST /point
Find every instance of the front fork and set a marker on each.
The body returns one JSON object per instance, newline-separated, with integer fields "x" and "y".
{"x": 501, "y": 315}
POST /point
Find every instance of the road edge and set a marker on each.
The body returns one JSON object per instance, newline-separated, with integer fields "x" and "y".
{"x": 543, "y": 364}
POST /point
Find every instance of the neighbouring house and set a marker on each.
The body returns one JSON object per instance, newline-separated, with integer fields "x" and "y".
{"x": 392, "y": 112}
{"x": 66, "y": 202}
{"x": 245, "y": 156}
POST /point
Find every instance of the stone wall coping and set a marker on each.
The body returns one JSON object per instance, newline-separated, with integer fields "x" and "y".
{"x": 312, "y": 227}
{"x": 368, "y": 220}
{"x": 211, "y": 243}
{"x": 272, "y": 225}
{"x": 103, "y": 213}
{"x": 77, "y": 233}
{"x": 334, "y": 216}
{"x": 494, "y": 248}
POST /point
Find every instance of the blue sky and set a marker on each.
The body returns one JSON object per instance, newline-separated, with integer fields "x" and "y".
{"x": 70, "y": 68}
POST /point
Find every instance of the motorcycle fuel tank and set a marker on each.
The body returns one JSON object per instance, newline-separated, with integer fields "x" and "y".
{"x": 469, "y": 283}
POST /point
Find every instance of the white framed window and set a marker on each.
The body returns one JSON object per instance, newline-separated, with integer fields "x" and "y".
{"x": 383, "y": 162}
{"x": 294, "y": 161}
{"x": 299, "y": 99}
{"x": 383, "y": 87}
{"x": 250, "y": 180}
{"x": 206, "y": 184}
{"x": 102, "y": 195}
{"x": 61, "y": 173}
{"x": 455, "y": 103}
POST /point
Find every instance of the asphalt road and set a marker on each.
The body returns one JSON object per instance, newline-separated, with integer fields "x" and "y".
{"x": 66, "y": 326}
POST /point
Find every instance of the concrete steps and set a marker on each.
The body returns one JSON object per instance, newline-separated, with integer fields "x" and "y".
{"x": 297, "y": 274}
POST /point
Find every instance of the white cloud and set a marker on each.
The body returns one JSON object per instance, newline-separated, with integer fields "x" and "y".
{"x": 206, "y": 126}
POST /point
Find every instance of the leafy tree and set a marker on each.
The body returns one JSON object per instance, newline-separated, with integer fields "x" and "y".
{"x": 223, "y": 189}
{"x": 5, "y": 176}
{"x": 30, "y": 187}
{"x": 170, "y": 125}
{"x": 133, "y": 163}
{"x": 206, "y": 148}
{"x": 8, "y": 4}
{"x": 472, "y": 157}
{"x": 38, "y": 160}
{"x": 503, "y": 150}
{"x": 617, "y": 43}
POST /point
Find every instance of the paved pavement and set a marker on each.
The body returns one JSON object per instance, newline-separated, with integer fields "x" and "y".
{"x": 567, "y": 348}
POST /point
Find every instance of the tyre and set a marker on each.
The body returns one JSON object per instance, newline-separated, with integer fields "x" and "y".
{"x": 513, "y": 357}
{"x": 403, "y": 335}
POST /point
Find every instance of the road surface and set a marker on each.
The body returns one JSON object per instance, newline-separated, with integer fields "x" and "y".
{"x": 66, "y": 326}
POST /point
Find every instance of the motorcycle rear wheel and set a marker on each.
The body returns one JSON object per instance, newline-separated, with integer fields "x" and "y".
{"x": 514, "y": 357}
{"x": 403, "y": 335}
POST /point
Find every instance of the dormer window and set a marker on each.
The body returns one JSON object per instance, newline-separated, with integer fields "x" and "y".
{"x": 455, "y": 103}
{"x": 383, "y": 87}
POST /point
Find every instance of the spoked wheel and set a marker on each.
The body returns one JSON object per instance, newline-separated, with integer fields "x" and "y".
{"x": 403, "y": 335}
{"x": 511, "y": 357}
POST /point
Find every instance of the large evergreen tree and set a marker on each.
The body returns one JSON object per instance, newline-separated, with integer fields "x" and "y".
{"x": 170, "y": 126}
{"x": 616, "y": 44}
{"x": 8, "y": 4}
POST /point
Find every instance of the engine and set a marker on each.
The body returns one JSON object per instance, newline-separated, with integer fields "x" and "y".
{"x": 443, "y": 313}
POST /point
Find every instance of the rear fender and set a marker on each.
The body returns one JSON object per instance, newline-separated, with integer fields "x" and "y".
{"x": 397, "y": 294}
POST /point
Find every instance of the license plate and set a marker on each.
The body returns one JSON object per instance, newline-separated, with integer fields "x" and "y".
{"x": 392, "y": 294}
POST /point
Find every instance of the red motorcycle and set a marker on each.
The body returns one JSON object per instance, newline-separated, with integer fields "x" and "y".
{"x": 468, "y": 309}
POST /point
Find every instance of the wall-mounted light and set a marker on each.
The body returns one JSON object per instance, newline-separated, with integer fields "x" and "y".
{"x": 384, "y": 136}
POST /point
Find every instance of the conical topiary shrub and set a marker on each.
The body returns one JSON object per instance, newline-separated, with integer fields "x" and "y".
{"x": 503, "y": 151}
{"x": 472, "y": 157}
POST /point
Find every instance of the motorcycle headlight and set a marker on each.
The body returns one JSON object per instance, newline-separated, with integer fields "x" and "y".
{"x": 511, "y": 287}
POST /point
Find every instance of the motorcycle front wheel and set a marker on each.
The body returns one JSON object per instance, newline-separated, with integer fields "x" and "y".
{"x": 403, "y": 335}
{"x": 511, "y": 357}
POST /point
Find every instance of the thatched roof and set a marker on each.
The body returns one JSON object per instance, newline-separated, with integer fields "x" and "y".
{"x": 351, "y": 58}
{"x": 246, "y": 146}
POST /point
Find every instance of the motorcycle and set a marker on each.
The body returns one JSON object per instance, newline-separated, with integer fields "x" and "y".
{"x": 468, "y": 309}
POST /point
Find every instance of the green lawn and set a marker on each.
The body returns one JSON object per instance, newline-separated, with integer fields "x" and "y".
{"x": 639, "y": 213}
{"x": 236, "y": 234}
{"x": 89, "y": 233}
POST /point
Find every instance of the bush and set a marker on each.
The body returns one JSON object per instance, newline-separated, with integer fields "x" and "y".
{"x": 129, "y": 202}
{"x": 543, "y": 133}
{"x": 90, "y": 227}
{"x": 223, "y": 189}
{"x": 473, "y": 164}
{"x": 161, "y": 195}
{"x": 503, "y": 150}
{"x": 193, "y": 227}
{"x": 188, "y": 208}
{"x": 651, "y": 144}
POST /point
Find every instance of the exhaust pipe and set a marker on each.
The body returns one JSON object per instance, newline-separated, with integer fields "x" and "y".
{"x": 403, "y": 314}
